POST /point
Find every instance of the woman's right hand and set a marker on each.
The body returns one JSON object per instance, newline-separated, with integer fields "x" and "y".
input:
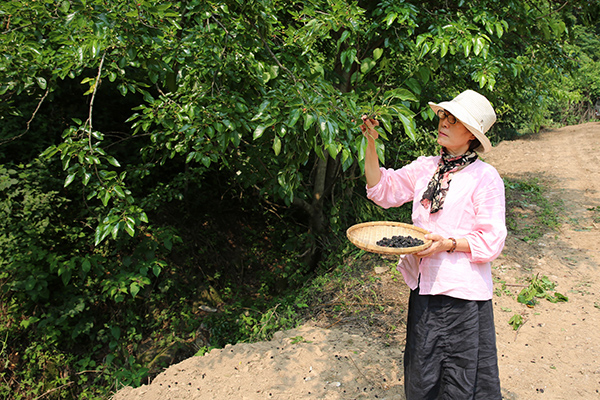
{"x": 368, "y": 127}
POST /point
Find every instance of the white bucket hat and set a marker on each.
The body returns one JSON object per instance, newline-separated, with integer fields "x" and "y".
{"x": 474, "y": 111}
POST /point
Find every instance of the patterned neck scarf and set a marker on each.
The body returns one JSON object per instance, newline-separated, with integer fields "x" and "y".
{"x": 435, "y": 194}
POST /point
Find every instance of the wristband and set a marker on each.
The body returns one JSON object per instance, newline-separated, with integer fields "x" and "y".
{"x": 453, "y": 245}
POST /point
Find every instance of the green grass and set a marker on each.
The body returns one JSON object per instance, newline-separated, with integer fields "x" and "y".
{"x": 530, "y": 213}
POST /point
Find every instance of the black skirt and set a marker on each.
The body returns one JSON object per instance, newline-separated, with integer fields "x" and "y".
{"x": 450, "y": 349}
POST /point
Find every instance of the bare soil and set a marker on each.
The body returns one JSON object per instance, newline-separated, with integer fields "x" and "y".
{"x": 352, "y": 343}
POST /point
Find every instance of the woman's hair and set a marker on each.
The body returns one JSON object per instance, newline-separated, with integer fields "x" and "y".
{"x": 475, "y": 143}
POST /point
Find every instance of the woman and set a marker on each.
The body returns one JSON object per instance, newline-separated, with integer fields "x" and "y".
{"x": 450, "y": 343}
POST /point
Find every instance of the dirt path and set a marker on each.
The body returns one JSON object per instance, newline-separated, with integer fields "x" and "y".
{"x": 553, "y": 355}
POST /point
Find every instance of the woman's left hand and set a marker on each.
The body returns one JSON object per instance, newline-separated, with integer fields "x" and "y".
{"x": 437, "y": 246}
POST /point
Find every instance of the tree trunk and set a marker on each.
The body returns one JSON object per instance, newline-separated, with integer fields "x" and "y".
{"x": 325, "y": 175}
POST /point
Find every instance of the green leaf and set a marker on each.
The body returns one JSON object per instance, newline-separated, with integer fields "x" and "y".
{"x": 480, "y": 43}
{"x": 516, "y": 321}
{"x": 115, "y": 230}
{"x": 444, "y": 48}
{"x": 424, "y": 50}
{"x": 282, "y": 130}
{"x": 421, "y": 39}
{"x": 175, "y": 24}
{"x": 414, "y": 85}
{"x": 380, "y": 148}
{"x": 389, "y": 19}
{"x": 86, "y": 266}
{"x": 66, "y": 277}
{"x": 499, "y": 30}
{"x": 402, "y": 94}
{"x": 98, "y": 235}
{"x": 409, "y": 126}
{"x": 560, "y": 297}
{"x": 387, "y": 123}
{"x": 258, "y": 132}
{"x": 70, "y": 179}
{"x": 344, "y": 36}
{"x": 113, "y": 161}
{"x": 367, "y": 65}
{"x": 86, "y": 178}
{"x": 482, "y": 80}
{"x": 41, "y": 82}
{"x": 105, "y": 197}
{"x": 294, "y": 116}
{"x": 122, "y": 88}
{"x": 70, "y": 18}
{"x": 347, "y": 58}
{"x": 323, "y": 126}
{"x": 424, "y": 74}
{"x": 467, "y": 47}
{"x": 228, "y": 124}
{"x": 309, "y": 120}
{"x": 29, "y": 321}
{"x": 377, "y": 53}
{"x": 119, "y": 191}
{"x": 168, "y": 243}
{"x": 191, "y": 156}
{"x": 277, "y": 145}
{"x": 333, "y": 150}
{"x": 130, "y": 227}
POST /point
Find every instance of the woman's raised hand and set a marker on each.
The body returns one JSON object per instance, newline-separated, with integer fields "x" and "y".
{"x": 368, "y": 127}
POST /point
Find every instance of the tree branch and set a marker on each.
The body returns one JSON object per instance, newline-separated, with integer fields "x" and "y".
{"x": 30, "y": 120}
{"x": 89, "y": 120}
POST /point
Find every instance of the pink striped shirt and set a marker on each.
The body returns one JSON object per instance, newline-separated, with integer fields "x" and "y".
{"x": 474, "y": 209}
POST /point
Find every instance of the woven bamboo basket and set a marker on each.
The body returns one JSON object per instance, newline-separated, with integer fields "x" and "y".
{"x": 366, "y": 235}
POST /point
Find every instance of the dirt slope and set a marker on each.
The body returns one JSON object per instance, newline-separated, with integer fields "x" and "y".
{"x": 553, "y": 355}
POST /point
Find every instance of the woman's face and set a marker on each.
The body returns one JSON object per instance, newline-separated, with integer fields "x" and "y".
{"x": 454, "y": 137}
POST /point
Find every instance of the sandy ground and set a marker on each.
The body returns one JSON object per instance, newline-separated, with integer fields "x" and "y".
{"x": 553, "y": 355}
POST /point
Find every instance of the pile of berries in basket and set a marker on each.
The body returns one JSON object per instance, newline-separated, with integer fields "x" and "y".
{"x": 400, "y": 241}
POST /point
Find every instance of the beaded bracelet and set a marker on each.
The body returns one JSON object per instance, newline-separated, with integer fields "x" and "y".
{"x": 453, "y": 245}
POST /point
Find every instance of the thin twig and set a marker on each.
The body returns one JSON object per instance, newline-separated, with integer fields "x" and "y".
{"x": 274, "y": 56}
{"x": 553, "y": 12}
{"x": 334, "y": 323}
{"x": 30, "y": 119}
{"x": 368, "y": 380}
{"x": 16, "y": 29}
{"x": 519, "y": 328}
{"x": 340, "y": 303}
{"x": 53, "y": 390}
{"x": 92, "y": 100}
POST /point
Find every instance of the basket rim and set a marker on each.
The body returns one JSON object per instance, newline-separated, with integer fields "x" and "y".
{"x": 374, "y": 248}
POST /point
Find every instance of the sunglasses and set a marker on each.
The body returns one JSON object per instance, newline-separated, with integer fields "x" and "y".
{"x": 445, "y": 114}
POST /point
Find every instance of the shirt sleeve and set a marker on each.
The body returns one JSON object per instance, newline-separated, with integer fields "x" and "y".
{"x": 396, "y": 186}
{"x": 489, "y": 231}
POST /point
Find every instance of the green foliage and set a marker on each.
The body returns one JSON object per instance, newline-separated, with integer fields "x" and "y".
{"x": 540, "y": 288}
{"x": 530, "y": 213}
{"x": 516, "y": 321}
{"x": 58, "y": 289}
{"x": 577, "y": 91}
